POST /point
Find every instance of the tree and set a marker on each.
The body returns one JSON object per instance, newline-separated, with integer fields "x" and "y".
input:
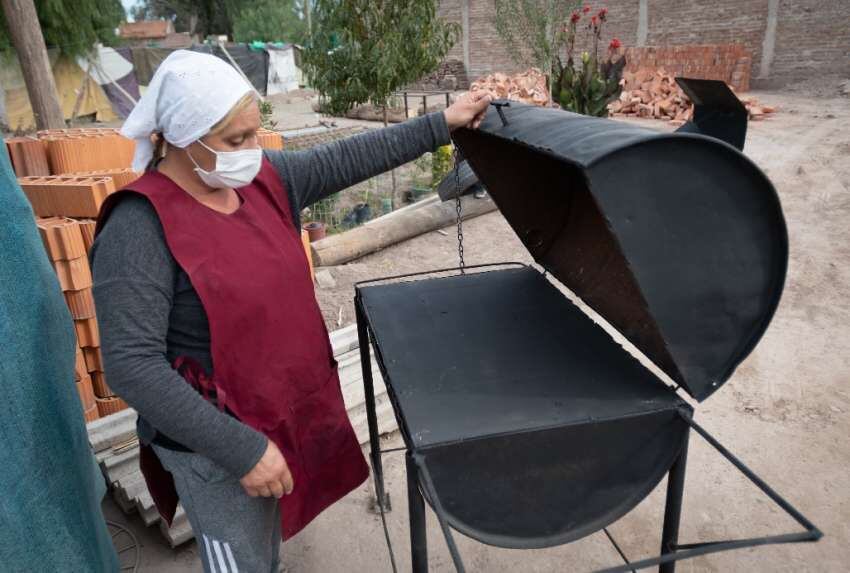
{"x": 534, "y": 31}
{"x": 35, "y": 65}
{"x": 73, "y": 27}
{"x": 364, "y": 50}
{"x": 202, "y": 17}
{"x": 233, "y": 18}
{"x": 270, "y": 21}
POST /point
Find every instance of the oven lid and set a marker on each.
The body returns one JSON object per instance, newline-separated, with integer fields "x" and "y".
{"x": 677, "y": 239}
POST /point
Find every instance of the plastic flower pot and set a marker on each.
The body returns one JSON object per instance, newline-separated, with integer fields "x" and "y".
{"x": 316, "y": 230}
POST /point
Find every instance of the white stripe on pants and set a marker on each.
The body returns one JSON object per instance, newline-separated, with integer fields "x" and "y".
{"x": 233, "y": 527}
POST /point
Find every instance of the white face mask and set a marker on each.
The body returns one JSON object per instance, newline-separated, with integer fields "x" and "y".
{"x": 232, "y": 168}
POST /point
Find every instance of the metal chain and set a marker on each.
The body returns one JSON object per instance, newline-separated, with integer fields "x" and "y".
{"x": 459, "y": 210}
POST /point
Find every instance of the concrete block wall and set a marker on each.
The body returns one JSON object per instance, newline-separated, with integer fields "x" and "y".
{"x": 788, "y": 40}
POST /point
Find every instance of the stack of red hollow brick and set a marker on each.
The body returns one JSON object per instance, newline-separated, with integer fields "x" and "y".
{"x": 69, "y": 172}
{"x": 73, "y": 151}
{"x": 63, "y": 151}
{"x": 269, "y": 139}
{"x": 67, "y": 241}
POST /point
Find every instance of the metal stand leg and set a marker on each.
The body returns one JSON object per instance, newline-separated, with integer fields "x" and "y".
{"x": 418, "y": 534}
{"x": 673, "y": 509}
{"x": 371, "y": 415}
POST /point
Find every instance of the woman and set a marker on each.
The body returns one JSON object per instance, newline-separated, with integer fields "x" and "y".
{"x": 210, "y": 325}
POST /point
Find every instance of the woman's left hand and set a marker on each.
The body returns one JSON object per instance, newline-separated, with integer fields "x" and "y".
{"x": 468, "y": 110}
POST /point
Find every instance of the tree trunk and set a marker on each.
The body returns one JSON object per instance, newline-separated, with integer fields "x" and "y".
{"x": 308, "y": 18}
{"x": 193, "y": 24}
{"x": 406, "y": 223}
{"x": 28, "y": 40}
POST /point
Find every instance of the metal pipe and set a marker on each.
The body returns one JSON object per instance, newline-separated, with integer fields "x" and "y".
{"x": 759, "y": 483}
{"x": 437, "y": 506}
{"x": 418, "y": 534}
{"x": 673, "y": 509}
{"x": 371, "y": 415}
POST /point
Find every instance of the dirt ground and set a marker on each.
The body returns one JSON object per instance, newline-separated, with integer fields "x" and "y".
{"x": 785, "y": 411}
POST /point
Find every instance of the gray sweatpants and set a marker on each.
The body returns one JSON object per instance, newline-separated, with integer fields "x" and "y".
{"x": 235, "y": 532}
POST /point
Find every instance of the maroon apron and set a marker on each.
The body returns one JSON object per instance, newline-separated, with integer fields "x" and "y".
{"x": 273, "y": 366}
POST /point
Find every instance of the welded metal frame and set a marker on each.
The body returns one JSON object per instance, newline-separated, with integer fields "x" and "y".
{"x": 420, "y": 486}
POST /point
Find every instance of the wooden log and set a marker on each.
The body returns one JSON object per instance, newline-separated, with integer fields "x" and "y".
{"x": 392, "y": 229}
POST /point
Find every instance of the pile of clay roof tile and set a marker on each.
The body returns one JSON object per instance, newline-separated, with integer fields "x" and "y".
{"x": 528, "y": 87}
{"x": 655, "y": 94}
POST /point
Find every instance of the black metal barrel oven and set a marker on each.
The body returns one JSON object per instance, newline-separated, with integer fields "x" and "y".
{"x": 526, "y": 424}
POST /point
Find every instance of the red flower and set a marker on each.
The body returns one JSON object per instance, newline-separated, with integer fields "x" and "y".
{"x": 603, "y": 13}
{"x": 586, "y": 9}
{"x": 593, "y": 21}
{"x": 614, "y": 45}
{"x": 575, "y": 17}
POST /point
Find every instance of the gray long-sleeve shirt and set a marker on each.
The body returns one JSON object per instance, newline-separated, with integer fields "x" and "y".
{"x": 149, "y": 313}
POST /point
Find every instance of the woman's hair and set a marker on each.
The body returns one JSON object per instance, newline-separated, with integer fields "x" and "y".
{"x": 244, "y": 102}
{"x": 161, "y": 146}
{"x": 159, "y": 149}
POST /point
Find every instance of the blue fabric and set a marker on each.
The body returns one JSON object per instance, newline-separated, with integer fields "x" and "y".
{"x": 50, "y": 486}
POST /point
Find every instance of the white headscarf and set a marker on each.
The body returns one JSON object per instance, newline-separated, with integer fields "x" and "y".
{"x": 189, "y": 93}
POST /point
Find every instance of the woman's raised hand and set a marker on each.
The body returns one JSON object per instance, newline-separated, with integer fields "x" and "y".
{"x": 270, "y": 477}
{"x": 468, "y": 110}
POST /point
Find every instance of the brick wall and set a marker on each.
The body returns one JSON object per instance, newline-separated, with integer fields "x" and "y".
{"x": 487, "y": 53}
{"x": 679, "y": 22}
{"x": 809, "y": 37}
{"x": 450, "y": 75}
{"x": 727, "y": 62}
{"x": 450, "y": 11}
{"x": 621, "y": 24}
{"x": 812, "y": 37}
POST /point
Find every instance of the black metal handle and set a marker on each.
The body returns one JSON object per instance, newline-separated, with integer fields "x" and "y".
{"x": 499, "y": 105}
